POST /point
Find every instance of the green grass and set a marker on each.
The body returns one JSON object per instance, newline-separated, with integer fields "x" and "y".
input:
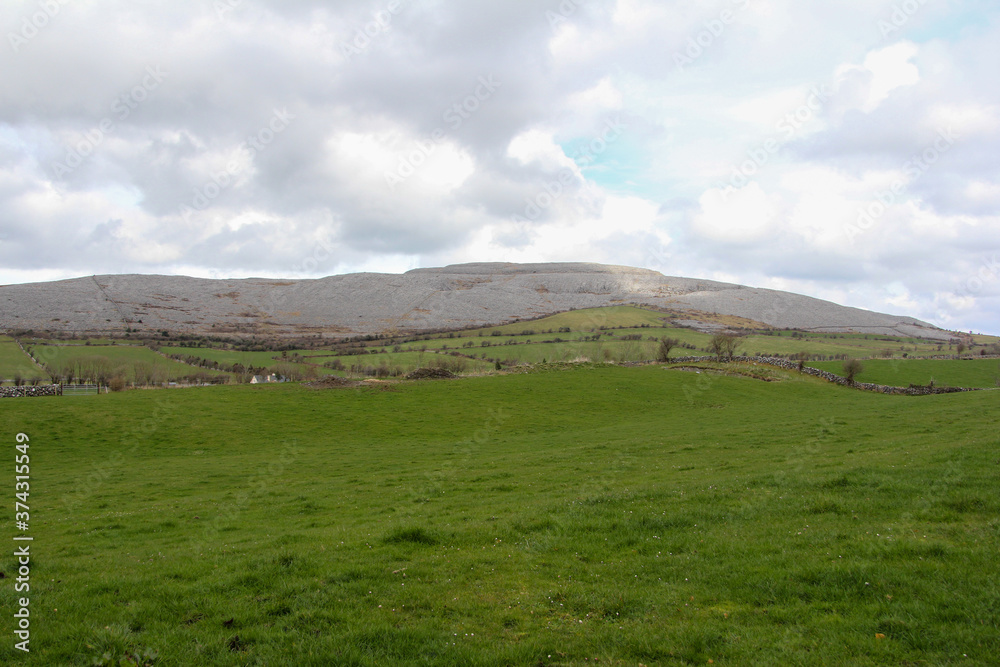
{"x": 586, "y": 319}
{"x": 631, "y": 515}
{"x": 91, "y": 341}
{"x": 834, "y": 344}
{"x": 739, "y": 369}
{"x": 943, "y": 372}
{"x": 408, "y": 361}
{"x": 230, "y": 357}
{"x": 534, "y": 341}
{"x": 566, "y": 336}
{"x": 258, "y": 359}
{"x": 124, "y": 355}
{"x": 534, "y": 348}
{"x": 981, "y": 339}
{"x": 13, "y": 361}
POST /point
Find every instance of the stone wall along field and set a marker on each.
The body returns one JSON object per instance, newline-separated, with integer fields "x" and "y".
{"x": 25, "y": 391}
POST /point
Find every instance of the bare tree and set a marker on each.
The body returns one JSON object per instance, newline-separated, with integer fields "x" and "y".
{"x": 666, "y": 345}
{"x": 291, "y": 372}
{"x": 69, "y": 372}
{"x": 160, "y": 374}
{"x": 54, "y": 373}
{"x": 629, "y": 350}
{"x": 245, "y": 375}
{"x": 81, "y": 369}
{"x": 852, "y": 368}
{"x": 724, "y": 346}
{"x": 102, "y": 370}
{"x": 142, "y": 371}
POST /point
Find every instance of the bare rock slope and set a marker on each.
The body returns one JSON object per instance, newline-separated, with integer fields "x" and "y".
{"x": 423, "y": 299}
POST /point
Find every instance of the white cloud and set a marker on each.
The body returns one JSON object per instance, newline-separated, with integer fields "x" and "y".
{"x": 886, "y": 69}
{"x": 602, "y": 97}
{"x": 969, "y": 120}
{"x": 391, "y": 161}
{"x": 982, "y": 192}
{"x": 573, "y": 236}
{"x": 321, "y": 183}
{"x": 736, "y": 215}
{"x": 539, "y": 148}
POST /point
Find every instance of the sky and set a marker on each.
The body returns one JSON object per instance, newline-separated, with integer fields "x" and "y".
{"x": 847, "y": 150}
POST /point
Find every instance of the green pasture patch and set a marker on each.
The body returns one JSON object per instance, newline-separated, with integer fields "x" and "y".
{"x": 13, "y": 361}
{"x": 588, "y": 515}
{"x": 123, "y": 356}
{"x": 585, "y": 319}
{"x": 984, "y": 373}
{"x": 832, "y": 345}
{"x": 232, "y": 357}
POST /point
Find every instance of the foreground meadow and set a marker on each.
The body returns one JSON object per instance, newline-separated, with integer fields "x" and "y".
{"x": 591, "y": 515}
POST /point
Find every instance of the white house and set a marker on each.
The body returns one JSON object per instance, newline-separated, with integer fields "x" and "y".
{"x": 263, "y": 379}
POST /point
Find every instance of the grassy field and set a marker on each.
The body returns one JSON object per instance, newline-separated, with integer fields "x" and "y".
{"x": 532, "y": 341}
{"x": 124, "y": 355}
{"x": 408, "y": 361}
{"x": 620, "y": 320}
{"x": 597, "y": 334}
{"x": 259, "y": 359}
{"x": 588, "y": 319}
{"x": 230, "y": 357}
{"x": 13, "y": 361}
{"x": 833, "y": 344}
{"x": 596, "y": 515}
{"x": 942, "y": 372}
{"x": 85, "y": 342}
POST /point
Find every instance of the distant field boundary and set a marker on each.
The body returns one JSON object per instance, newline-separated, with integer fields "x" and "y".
{"x": 61, "y": 343}
{"x": 833, "y": 377}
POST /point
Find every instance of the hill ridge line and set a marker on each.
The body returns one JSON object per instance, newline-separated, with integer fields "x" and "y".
{"x": 452, "y": 297}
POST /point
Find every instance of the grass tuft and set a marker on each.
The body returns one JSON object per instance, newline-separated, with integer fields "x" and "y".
{"x": 413, "y": 535}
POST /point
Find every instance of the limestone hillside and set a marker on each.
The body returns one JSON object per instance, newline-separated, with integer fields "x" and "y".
{"x": 423, "y": 299}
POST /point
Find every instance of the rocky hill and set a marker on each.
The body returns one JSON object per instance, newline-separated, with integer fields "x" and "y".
{"x": 423, "y": 299}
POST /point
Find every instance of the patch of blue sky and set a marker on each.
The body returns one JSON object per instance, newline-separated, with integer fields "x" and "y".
{"x": 611, "y": 165}
{"x": 961, "y": 18}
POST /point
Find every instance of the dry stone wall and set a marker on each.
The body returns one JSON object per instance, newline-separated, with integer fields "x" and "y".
{"x": 20, "y": 392}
